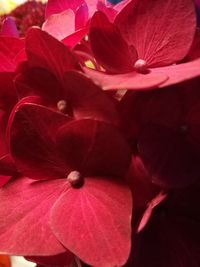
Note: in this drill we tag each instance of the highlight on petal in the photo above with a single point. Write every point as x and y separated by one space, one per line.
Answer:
24 217
96 226
111 51
46 52
180 72
162 31
60 25
58 6
131 80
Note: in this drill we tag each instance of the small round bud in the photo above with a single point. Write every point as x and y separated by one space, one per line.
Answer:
62 106
75 179
140 65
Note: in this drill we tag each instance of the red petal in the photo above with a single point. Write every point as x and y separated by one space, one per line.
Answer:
32 142
111 51
194 52
60 260
96 223
58 6
131 80
10 47
24 213
94 148
46 52
60 25
75 38
179 73
88 100
40 82
161 32
140 183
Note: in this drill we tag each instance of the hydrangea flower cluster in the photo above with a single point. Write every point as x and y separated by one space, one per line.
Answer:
100 135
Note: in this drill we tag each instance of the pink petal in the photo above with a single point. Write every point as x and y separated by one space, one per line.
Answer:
96 224
58 6
179 73
88 100
9 27
148 212
32 144
111 51
161 32
60 25
131 80
10 47
24 217
45 51
7 166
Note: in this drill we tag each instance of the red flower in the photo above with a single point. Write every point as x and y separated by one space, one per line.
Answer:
76 198
142 46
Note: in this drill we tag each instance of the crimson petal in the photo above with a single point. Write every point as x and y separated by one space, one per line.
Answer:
46 52
96 223
32 141
24 217
131 80
93 148
111 51
162 31
10 47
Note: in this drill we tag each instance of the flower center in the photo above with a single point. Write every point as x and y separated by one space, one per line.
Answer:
62 106
140 65
75 179
184 128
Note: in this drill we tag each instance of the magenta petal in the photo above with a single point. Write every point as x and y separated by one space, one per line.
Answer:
32 141
88 100
131 80
9 27
179 73
81 16
46 52
94 222
60 25
10 47
24 217
111 51
94 148
161 31
58 6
